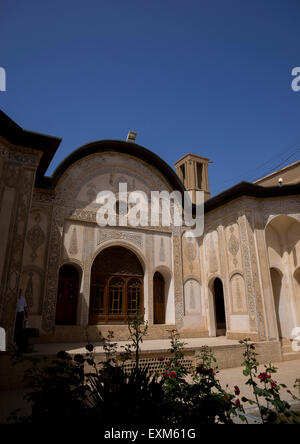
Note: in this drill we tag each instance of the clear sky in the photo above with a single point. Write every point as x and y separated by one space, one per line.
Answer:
210 77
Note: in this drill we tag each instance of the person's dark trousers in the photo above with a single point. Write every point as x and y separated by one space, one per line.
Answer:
19 329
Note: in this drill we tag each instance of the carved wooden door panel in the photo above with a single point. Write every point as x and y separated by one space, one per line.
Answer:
67 296
159 305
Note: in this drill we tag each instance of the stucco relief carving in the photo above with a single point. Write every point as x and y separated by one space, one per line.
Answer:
190 251
106 235
91 191
29 291
31 287
178 284
193 299
73 248
9 295
228 214
211 247
256 283
162 254
35 237
20 155
87 172
233 246
54 259
238 294
11 175
251 279
270 208
42 197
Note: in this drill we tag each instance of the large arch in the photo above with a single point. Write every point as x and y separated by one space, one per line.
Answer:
116 287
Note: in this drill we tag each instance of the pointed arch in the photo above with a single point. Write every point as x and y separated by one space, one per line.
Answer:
117 282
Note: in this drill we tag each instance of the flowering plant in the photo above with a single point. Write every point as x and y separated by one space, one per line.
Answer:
272 409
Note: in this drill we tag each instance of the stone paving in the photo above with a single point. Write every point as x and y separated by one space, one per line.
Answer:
288 372
147 345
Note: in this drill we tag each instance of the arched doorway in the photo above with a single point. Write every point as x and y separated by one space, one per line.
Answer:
220 317
159 299
117 281
67 295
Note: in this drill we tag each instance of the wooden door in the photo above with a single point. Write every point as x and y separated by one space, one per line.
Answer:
159 305
67 296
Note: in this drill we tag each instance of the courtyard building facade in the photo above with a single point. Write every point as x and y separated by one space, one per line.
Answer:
240 279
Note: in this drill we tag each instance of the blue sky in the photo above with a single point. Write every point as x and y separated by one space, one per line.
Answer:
211 77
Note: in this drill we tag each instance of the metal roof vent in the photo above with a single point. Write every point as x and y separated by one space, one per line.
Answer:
131 137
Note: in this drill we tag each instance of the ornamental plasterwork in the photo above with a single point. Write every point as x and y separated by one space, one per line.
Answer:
107 235
229 212
271 208
256 282
73 247
12 175
9 295
211 244
54 259
254 298
233 246
88 215
35 237
17 154
87 168
190 257
178 284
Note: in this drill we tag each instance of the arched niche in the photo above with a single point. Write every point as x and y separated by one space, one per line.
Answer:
192 297
117 284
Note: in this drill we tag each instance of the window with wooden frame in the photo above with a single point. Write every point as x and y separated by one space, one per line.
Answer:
116 287
134 296
116 294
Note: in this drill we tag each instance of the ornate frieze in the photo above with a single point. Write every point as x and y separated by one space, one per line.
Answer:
107 235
